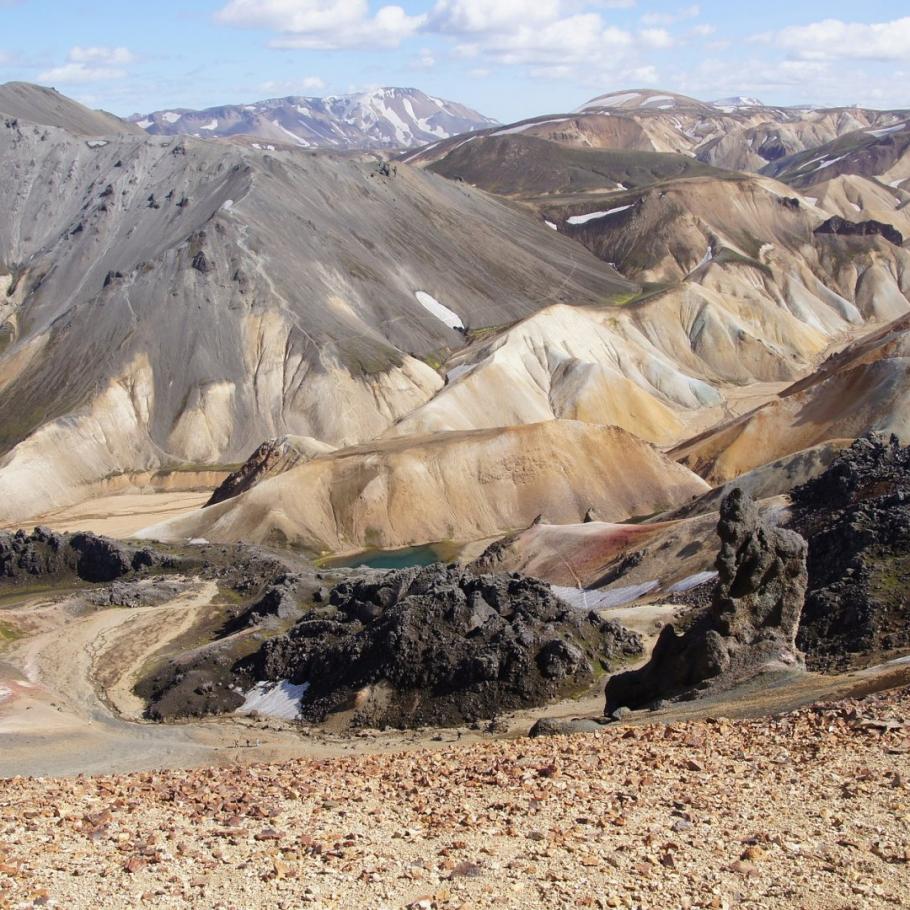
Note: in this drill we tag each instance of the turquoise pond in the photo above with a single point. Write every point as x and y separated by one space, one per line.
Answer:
394 559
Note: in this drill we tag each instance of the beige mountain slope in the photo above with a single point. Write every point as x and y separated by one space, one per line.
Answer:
744 237
882 152
865 387
733 137
855 198
447 486
37 104
745 298
739 289
168 302
669 550
566 362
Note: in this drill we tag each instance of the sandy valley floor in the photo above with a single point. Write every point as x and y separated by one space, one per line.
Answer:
122 515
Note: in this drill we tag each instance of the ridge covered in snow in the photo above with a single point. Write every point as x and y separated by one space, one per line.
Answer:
391 118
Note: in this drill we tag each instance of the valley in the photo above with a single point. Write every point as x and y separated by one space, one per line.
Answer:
365 438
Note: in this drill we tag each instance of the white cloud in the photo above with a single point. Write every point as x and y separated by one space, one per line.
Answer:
556 39
89 64
466 17
560 37
703 31
323 24
656 38
689 12
101 55
425 60
833 39
790 82
77 73
293 86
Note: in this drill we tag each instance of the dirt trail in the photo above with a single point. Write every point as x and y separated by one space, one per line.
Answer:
54 721
119 655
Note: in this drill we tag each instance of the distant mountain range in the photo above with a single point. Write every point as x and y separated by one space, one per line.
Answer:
386 118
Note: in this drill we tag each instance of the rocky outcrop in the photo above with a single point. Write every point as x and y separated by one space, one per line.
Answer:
45 554
274 456
856 517
440 645
840 226
750 627
280 602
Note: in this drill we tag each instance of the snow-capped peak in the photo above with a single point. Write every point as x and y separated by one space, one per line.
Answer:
390 118
738 101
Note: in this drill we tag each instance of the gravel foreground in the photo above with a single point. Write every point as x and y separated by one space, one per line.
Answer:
807 810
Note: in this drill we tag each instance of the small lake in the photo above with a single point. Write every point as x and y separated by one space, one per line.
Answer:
423 555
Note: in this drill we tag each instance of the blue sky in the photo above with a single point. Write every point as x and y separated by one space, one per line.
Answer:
506 58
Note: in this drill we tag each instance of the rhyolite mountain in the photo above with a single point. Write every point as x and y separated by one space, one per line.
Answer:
171 304
384 118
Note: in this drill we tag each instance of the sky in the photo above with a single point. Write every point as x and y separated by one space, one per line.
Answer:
508 59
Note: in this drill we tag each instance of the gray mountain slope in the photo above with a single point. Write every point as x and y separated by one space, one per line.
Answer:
166 301
48 107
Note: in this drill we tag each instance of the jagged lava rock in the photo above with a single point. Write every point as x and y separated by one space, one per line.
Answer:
856 517
440 645
750 626
44 553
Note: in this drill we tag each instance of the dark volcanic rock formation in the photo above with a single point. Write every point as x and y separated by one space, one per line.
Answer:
841 226
750 626
440 645
279 602
274 456
856 517
44 554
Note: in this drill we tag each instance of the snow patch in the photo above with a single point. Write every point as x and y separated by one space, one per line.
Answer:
197 541
170 116
550 225
620 596
293 136
613 100
145 124
96 143
591 216
693 581
281 699
582 599
212 125
889 129
526 126
443 313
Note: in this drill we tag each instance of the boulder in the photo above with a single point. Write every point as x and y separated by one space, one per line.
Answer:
752 622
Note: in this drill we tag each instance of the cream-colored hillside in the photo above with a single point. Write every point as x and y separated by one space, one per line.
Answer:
449 486
867 387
